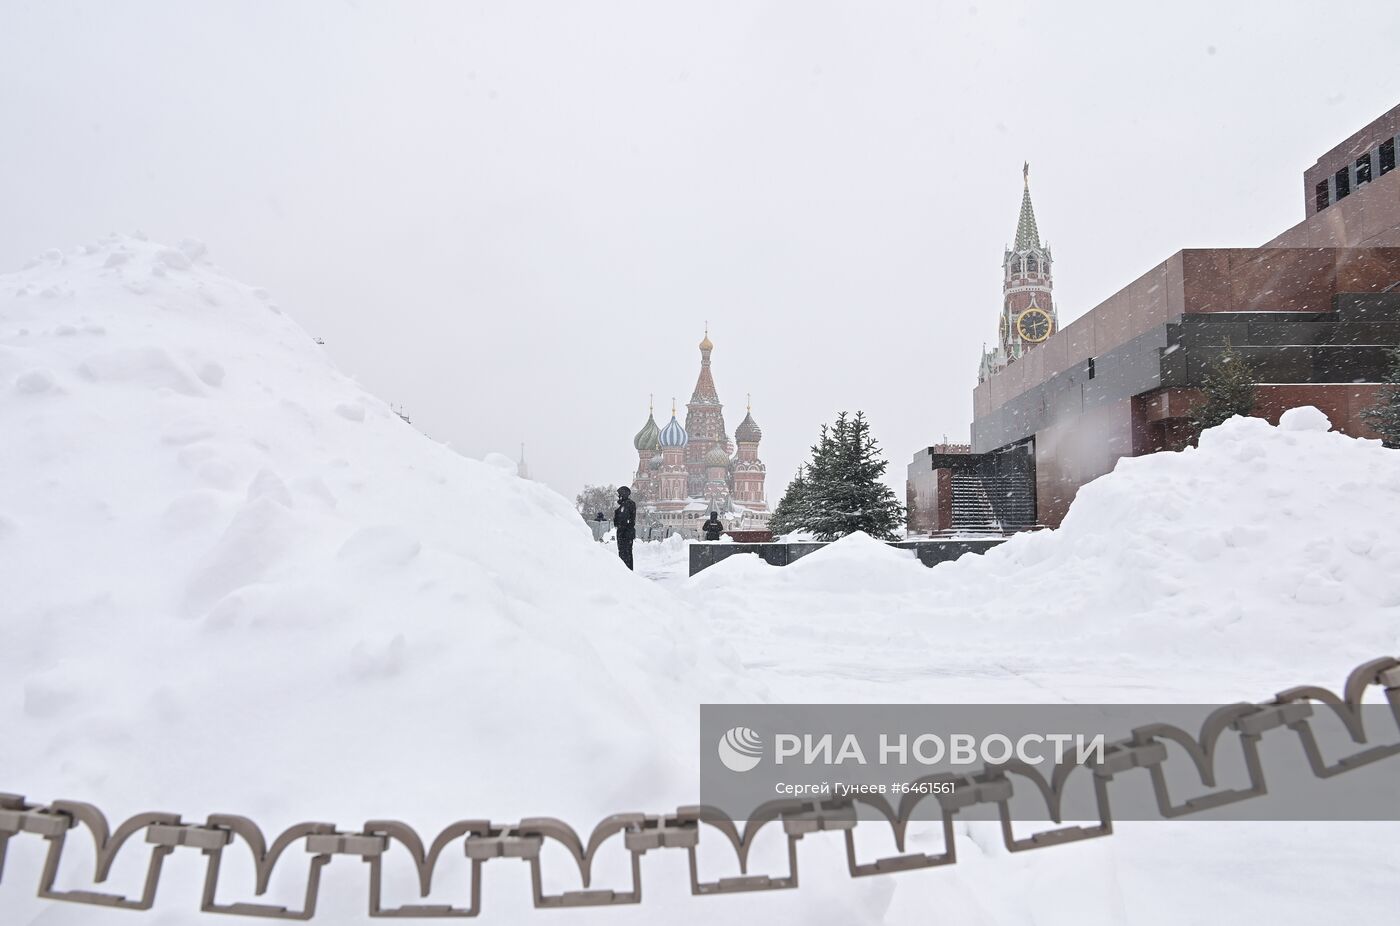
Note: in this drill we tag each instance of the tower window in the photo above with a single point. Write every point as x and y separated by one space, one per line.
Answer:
1387 157
1363 169
1343 179
1321 194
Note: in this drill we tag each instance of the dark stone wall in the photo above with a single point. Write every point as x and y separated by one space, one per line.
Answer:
1130 369
1135 398
929 552
1348 345
750 536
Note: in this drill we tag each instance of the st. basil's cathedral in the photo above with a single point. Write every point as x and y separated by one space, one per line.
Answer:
685 472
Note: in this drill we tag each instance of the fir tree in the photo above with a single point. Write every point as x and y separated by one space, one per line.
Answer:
1384 416
844 488
1229 390
792 510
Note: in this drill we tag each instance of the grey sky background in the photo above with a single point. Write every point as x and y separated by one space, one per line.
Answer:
515 217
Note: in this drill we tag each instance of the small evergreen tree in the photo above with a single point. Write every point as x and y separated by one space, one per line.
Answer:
844 488
1229 391
1384 416
791 513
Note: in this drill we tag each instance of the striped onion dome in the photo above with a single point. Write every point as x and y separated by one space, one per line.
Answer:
673 435
646 438
748 431
717 456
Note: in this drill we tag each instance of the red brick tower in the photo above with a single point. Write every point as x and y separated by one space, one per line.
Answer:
749 471
672 478
1028 314
704 422
646 443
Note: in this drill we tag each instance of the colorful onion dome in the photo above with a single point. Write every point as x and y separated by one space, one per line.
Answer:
647 437
748 431
717 456
673 435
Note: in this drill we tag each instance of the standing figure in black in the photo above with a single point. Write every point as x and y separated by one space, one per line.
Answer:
625 520
712 528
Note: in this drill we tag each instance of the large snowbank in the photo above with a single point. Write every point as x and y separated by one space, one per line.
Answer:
1229 561
1267 557
229 574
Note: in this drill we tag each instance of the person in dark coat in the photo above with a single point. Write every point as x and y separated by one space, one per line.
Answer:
713 528
625 520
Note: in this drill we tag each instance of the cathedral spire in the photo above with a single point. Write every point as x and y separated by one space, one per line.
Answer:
705 392
1027 235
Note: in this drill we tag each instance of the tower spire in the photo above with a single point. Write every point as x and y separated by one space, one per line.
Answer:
1027 308
1027 235
705 392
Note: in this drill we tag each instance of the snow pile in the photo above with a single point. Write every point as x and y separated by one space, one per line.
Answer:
1266 558
661 555
1263 544
227 571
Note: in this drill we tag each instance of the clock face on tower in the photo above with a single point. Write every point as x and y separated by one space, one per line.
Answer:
1033 325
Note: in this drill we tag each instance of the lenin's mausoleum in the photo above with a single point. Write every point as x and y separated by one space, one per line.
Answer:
1314 312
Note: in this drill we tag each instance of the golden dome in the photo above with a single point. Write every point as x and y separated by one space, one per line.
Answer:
706 344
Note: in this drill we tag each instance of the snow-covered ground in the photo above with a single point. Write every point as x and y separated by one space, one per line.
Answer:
664 561
233 581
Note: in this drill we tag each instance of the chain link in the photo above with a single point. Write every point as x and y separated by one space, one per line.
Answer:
485 841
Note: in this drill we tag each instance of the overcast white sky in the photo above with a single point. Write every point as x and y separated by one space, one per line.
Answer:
515 217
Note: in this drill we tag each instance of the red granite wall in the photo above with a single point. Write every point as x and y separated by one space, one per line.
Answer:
1079 449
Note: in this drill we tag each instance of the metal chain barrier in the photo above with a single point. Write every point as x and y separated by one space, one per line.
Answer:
484 841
